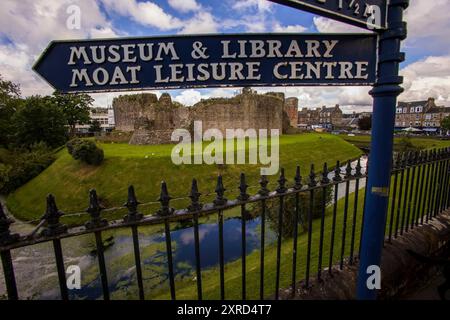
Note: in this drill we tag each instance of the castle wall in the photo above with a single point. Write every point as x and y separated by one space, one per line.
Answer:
128 108
291 108
241 112
153 120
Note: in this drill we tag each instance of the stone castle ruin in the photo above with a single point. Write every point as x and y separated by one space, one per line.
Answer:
153 120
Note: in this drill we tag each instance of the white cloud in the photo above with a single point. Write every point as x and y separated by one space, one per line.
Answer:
103 33
15 65
37 22
429 77
105 99
203 22
428 22
31 25
290 28
184 5
260 5
145 13
251 23
189 97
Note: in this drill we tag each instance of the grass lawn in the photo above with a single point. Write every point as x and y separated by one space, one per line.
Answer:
419 143
145 167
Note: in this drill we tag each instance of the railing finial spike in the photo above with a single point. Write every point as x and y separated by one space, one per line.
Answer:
348 170
325 172
337 172
220 200
282 182
243 196
195 197
358 168
164 199
298 179
263 182
132 206
312 177
94 210
51 217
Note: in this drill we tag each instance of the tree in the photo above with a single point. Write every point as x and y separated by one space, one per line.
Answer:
39 119
75 108
9 101
95 126
445 124
365 123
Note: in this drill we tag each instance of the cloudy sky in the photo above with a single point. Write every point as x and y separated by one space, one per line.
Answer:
27 26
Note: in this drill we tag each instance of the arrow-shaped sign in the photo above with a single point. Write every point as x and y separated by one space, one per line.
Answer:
368 14
209 61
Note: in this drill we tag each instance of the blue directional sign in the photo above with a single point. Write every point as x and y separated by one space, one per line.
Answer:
369 14
209 61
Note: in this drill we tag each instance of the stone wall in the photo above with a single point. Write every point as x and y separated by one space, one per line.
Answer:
291 109
153 120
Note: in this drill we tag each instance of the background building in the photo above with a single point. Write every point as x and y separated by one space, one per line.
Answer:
420 114
104 116
325 117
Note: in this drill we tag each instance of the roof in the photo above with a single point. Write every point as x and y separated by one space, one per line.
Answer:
438 110
413 104
306 111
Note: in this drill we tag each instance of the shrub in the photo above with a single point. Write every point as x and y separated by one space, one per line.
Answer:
21 165
86 151
71 145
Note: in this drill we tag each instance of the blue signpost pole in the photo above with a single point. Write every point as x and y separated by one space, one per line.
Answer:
385 93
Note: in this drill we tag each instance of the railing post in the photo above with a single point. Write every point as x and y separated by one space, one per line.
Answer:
8 269
134 216
54 228
385 93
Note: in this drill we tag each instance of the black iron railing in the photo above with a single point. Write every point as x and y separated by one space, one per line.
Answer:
419 192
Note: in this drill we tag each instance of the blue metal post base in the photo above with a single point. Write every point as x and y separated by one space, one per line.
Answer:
385 95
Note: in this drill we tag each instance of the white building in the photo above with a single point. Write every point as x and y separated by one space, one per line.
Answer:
104 116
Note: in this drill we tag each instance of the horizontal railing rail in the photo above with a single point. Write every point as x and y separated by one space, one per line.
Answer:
419 192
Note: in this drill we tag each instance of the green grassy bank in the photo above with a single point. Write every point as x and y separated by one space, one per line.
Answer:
145 167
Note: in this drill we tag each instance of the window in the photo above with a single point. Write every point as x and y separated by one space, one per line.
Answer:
412 110
419 109
405 110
